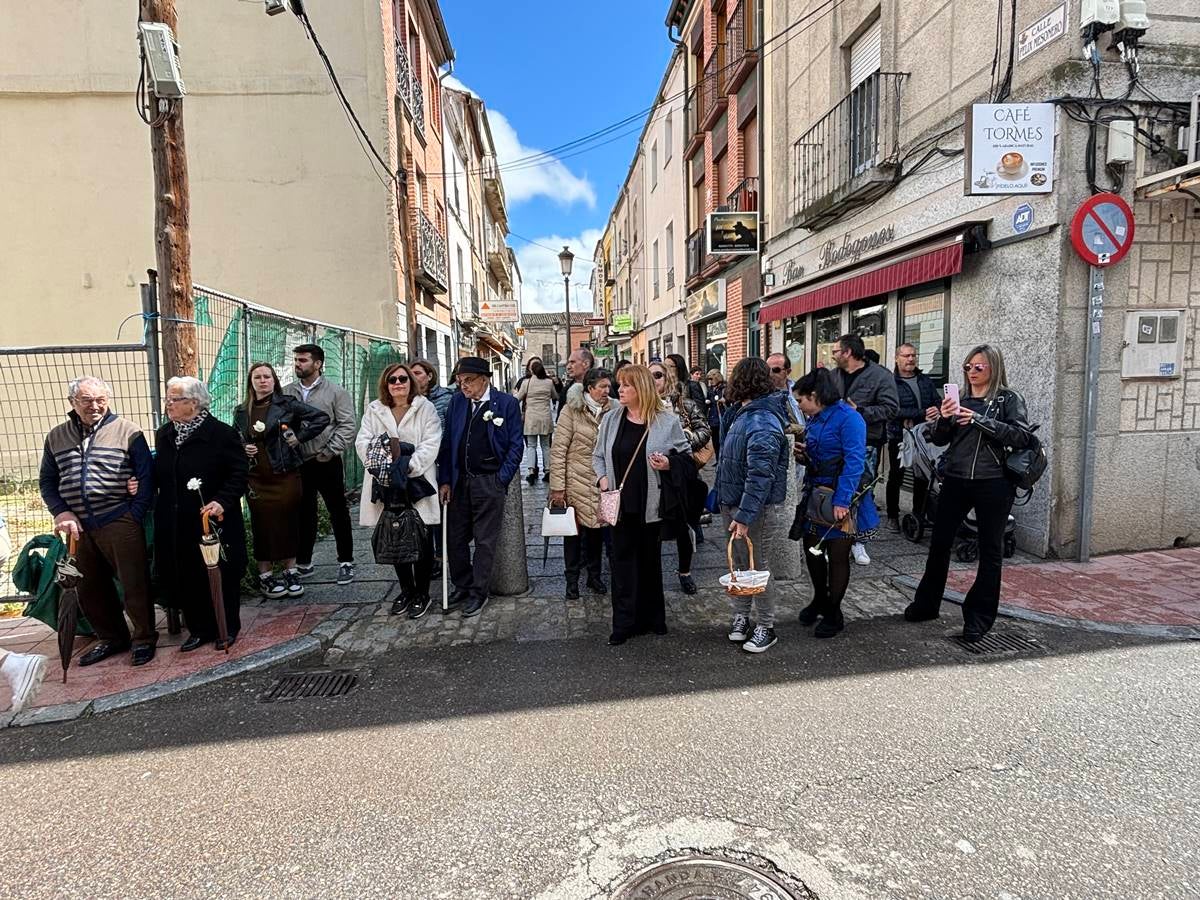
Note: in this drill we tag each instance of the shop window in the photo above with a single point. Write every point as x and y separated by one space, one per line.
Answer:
753 332
794 335
925 325
868 319
713 339
826 331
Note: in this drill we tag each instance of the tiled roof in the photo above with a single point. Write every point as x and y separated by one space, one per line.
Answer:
549 320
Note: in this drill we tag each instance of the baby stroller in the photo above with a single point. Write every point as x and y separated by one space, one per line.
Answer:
923 458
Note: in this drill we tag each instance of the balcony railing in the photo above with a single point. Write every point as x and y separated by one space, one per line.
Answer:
742 39
431 256
409 90
671 278
497 256
693 135
744 197
695 253
848 158
468 301
493 187
713 88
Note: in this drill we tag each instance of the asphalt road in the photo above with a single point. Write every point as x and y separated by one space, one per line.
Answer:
884 763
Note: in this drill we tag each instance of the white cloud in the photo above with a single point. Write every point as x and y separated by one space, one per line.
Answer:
542 281
548 178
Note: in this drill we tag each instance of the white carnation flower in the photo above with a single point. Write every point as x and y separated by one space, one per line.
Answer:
498 421
487 416
260 426
194 484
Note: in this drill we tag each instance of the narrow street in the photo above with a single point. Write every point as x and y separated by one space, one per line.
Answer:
888 762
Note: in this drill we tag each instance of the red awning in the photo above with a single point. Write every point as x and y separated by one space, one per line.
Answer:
845 287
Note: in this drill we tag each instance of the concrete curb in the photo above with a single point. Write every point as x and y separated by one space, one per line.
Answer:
317 640
1173 632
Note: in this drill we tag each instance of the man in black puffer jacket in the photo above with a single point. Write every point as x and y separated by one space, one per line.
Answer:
919 401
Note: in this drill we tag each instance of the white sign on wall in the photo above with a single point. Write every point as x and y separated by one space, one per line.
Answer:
1010 148
1049 27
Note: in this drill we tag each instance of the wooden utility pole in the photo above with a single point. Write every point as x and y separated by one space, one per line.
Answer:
172 239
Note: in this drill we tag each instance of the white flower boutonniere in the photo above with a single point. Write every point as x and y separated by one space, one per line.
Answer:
488 415
260 426
498 421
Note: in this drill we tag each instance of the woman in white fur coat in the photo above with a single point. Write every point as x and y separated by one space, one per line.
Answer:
402 413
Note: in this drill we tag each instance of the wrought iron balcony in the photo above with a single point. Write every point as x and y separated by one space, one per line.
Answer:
497 256
671 278
493 187
695 253
431 256
742 40
744 197
409 90
468 302
693 135
713 88
849 157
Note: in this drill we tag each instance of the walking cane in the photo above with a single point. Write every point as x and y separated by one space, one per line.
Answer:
445 566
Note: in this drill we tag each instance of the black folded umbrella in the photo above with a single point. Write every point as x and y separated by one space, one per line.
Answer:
68 577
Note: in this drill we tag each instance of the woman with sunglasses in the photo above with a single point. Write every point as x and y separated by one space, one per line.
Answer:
977 429
403 415
697 431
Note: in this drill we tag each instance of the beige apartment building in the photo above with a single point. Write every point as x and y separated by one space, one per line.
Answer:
877 222
285 207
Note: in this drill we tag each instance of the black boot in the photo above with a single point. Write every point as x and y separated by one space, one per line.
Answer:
810 613
573 588
831 623
532 476
596 583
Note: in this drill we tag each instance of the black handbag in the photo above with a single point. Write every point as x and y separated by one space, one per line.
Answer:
399 537
1025 467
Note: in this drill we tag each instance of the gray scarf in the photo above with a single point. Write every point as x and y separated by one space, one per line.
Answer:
184 430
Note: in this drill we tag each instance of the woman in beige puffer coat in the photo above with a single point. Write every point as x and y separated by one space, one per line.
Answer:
536 394
572 479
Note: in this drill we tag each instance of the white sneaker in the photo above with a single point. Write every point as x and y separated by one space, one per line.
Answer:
24 672
740 629
859 552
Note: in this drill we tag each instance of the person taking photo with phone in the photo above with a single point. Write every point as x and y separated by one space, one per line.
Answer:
978 426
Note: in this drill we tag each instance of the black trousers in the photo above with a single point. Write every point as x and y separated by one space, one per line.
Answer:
475 513
328 480
894 477
992 500
829 572
637 589
686 547
583 551
414 577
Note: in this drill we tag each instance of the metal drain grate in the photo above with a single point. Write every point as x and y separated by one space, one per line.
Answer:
997 642
302 685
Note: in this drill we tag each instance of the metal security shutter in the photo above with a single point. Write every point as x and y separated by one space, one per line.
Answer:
865 55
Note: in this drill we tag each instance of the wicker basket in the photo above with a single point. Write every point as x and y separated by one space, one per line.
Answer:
746 583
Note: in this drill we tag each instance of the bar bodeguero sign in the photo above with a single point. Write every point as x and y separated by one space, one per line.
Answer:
833 253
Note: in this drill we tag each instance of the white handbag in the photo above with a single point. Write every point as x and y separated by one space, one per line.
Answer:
559 521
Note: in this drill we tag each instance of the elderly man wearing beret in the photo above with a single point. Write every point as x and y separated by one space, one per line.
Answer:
481 451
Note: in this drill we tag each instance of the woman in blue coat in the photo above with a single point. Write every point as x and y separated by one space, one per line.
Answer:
835 449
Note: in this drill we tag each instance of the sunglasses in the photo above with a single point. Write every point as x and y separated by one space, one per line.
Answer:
779 370
659 376
397 379
975 367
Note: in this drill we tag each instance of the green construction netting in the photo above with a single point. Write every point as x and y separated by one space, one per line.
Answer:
225 375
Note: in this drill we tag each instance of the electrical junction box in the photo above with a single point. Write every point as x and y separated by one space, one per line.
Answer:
162 59
275 7
1104 12
1133 16
1154 340
1120 141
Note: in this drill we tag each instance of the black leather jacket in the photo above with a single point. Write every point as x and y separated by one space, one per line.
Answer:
305 421
977 450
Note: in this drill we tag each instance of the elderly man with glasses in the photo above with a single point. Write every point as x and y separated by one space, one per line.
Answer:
87 464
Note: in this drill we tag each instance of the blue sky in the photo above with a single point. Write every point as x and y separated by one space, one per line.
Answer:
551 73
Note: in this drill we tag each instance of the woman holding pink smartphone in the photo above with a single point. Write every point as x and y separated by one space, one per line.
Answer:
978 425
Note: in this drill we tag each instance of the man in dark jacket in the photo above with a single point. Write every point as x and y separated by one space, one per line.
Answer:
480 455
579 363
871 390
919 400
86 466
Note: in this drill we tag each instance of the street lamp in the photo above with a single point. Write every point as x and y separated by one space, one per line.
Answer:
557 358
565 259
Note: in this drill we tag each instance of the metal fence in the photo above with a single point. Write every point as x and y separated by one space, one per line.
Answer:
231 334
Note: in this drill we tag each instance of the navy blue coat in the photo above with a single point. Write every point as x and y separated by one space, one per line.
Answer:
752 470
508 440
912 407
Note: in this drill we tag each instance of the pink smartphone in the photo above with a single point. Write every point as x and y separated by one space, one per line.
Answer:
950 392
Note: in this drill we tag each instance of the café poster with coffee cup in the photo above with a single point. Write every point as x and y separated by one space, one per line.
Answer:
1010 148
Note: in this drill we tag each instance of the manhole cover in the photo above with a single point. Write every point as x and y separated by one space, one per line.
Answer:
998 642
704 878
300 685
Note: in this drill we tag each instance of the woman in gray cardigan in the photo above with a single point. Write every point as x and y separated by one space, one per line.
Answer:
637 439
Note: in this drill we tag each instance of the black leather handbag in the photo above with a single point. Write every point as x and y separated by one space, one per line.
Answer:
399 537
1025 467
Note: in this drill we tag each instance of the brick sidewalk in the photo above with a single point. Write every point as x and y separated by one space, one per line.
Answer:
1151 588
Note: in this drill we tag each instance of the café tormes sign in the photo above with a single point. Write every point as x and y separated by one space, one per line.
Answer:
1010 148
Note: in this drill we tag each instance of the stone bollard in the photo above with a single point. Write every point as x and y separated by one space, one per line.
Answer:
510 570
787 560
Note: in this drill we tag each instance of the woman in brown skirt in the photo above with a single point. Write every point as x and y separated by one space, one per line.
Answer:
273 426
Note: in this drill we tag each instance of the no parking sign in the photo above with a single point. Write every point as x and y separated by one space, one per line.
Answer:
1102 230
